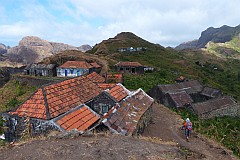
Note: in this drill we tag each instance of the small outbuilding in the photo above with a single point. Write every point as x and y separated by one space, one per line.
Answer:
40 70
129 67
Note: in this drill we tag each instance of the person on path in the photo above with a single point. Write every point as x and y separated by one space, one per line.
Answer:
188 128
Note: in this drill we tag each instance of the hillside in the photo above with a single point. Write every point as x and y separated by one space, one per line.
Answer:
216 35
32 49
162 140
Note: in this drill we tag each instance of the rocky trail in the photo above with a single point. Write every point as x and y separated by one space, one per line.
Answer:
162 140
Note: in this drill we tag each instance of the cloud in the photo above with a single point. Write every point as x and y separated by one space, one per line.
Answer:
79 22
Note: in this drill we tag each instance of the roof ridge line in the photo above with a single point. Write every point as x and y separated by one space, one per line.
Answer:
48 116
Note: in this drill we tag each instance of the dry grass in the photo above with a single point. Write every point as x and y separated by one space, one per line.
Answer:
158 140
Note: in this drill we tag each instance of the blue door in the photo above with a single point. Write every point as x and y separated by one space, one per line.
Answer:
78 72
66 72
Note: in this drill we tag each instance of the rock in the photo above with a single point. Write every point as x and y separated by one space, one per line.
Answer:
84 48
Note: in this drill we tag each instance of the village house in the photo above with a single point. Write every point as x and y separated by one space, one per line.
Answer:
96 66
109 98
55 107
131 115
74 68
192 88
40 70
129 67
218 107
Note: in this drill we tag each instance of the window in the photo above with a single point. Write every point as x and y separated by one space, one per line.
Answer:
104 109
127 69
121 69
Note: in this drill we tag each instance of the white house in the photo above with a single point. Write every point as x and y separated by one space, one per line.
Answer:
74 68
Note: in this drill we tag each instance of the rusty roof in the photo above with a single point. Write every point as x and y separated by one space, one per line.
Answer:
106 85
130 64
180 98
118 78
189 86
55 99
96 78
76 64
81 119
124 119
119 92
94 64
211 92
213 104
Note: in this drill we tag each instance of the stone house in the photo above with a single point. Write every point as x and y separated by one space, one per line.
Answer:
108 99
192 88
96 66
50 107
218 107
131 115
129 67
40 70
74 68
177 100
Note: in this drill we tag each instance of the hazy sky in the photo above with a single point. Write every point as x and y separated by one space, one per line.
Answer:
77 22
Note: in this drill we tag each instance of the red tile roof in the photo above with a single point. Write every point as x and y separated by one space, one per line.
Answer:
76 64
117 78
125 118
181 98
80 119
96 78
55 99
33 107
119 92
106 85
131 64
94 64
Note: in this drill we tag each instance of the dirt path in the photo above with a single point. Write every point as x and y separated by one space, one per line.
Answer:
162 140
166 125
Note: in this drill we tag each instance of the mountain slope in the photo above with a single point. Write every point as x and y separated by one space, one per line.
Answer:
217 35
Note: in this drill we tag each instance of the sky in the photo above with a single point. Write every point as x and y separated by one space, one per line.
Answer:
78 22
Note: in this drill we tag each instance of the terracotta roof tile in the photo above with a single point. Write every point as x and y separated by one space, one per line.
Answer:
131 64
106 85
96 78
60 97
76 64
125 117
80 119
94 64
119 92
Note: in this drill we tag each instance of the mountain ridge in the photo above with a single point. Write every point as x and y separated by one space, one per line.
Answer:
217 35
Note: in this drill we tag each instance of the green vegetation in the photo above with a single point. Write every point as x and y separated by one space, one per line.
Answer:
225 130
14 93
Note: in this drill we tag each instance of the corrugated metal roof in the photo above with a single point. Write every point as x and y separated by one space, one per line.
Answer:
40 66
181 98
124 119
211 92
213 104
189 86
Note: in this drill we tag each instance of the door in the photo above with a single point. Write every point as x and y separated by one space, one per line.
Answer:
66 72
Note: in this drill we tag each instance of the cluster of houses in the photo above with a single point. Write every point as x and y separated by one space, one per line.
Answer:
131 49
80 103
67 69
79 68
204 101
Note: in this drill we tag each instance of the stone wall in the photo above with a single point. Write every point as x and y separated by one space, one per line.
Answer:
34 81
17 127
144 121
233 111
